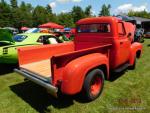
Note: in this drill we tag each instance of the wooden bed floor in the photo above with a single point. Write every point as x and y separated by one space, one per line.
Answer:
41 68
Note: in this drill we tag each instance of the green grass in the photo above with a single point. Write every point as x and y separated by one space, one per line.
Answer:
128 91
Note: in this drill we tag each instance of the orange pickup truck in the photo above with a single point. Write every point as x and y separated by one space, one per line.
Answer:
101 45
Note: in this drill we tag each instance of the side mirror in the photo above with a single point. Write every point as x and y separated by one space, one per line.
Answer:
129 36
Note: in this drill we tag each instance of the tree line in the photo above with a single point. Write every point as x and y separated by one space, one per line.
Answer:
14 15
143 14
24 14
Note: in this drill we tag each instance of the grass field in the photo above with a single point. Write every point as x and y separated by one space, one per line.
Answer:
129 93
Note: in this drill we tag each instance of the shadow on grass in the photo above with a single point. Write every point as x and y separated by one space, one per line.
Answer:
7 68
40 100
148 45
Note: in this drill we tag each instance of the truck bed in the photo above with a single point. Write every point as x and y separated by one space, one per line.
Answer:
35 62
41 68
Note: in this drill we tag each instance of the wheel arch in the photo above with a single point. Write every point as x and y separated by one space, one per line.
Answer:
135 52
74 74
102 67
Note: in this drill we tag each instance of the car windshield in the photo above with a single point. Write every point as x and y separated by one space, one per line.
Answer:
19 38
33 30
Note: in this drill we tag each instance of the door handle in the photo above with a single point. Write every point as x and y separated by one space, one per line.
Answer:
121 42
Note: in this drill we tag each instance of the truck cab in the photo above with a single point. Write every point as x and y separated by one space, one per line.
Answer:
106 30
101 45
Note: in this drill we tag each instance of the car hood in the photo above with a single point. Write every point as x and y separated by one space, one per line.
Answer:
5 43
5 38
5 49
16 44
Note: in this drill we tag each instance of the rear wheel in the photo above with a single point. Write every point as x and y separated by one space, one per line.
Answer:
93 84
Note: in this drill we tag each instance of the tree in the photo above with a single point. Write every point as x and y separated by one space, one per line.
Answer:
14 3
50 15
40 16
49 9
5 12
88 12
143 14
105 11
66 19
3 2
23 6
25 14
29 7
15 14
22 15
77 13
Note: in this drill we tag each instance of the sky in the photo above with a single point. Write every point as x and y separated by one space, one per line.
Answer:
117 6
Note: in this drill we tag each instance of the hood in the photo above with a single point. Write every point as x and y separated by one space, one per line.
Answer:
16 44
5 43
6 37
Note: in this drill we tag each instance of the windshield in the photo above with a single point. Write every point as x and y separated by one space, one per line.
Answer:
33 30
19 38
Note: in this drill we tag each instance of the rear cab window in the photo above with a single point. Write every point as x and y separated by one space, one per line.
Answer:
94 28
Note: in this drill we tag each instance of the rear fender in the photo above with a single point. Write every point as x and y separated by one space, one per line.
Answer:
135 47
76 70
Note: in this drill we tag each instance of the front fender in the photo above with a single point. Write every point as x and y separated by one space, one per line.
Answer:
133 50
75 71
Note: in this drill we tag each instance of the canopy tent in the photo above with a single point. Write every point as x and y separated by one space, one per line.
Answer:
51 25
24 28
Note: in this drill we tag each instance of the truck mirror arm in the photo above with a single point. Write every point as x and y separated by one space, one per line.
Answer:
129 34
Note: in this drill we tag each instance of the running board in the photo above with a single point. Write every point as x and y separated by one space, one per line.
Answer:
121 68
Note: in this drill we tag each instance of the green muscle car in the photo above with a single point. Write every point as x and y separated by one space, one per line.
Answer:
8 48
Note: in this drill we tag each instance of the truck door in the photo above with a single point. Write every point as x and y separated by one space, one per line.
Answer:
124 44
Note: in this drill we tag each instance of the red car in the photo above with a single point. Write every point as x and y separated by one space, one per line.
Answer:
101 45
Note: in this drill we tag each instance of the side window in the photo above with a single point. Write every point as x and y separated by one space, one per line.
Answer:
45 39
121 29
40 40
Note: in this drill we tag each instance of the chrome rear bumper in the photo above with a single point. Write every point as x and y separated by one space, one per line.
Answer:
51 89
